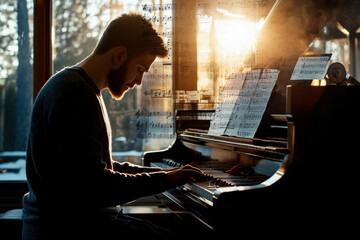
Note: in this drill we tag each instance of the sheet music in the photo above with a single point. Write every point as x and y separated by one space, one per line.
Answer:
227 100
242 104
156 120
259 100
310 67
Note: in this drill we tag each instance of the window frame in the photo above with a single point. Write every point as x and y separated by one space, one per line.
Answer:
12 192
42 44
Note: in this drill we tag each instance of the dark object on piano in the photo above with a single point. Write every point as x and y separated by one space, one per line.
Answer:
336 75
295 176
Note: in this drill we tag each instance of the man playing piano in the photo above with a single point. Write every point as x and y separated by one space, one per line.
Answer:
74 185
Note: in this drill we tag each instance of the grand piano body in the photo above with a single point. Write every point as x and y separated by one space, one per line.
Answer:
303 170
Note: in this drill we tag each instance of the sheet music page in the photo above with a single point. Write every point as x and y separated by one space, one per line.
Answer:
258 103
155 119
242 104
310 67
227 100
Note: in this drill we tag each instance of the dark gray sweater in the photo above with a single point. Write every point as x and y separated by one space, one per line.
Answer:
69 166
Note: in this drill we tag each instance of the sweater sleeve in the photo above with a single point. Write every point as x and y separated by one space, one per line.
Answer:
127 167
78 171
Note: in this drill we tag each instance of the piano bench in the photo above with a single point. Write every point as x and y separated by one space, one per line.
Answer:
11 224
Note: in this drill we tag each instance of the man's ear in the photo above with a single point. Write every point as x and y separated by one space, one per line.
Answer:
119 56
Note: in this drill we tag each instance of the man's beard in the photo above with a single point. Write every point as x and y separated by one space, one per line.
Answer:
116 79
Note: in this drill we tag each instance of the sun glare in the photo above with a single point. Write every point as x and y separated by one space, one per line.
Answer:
229 42
236 37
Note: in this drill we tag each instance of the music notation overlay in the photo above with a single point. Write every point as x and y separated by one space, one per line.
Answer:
243 102
146 113
154 124
154 119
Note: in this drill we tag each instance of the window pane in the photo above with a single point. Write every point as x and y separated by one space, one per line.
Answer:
143 119
16 80
227 32
338 47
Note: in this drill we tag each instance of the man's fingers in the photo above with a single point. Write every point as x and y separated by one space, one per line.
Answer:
185 174
193 173
191 167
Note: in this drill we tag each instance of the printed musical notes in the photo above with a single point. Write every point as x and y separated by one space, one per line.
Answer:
155 135
227 100
156 7
157 19
243 103
156 119
146 113
247 125
142 125
158 93
194 115
154 124
161 16
310 67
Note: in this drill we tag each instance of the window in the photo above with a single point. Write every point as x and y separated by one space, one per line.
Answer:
227 32
333 40
16 81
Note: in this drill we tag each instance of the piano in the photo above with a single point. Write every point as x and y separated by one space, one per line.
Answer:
299 173
301 167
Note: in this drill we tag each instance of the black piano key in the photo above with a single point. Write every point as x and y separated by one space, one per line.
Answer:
178 165
213 180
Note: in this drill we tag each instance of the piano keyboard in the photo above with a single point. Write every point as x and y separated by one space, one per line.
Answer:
215 179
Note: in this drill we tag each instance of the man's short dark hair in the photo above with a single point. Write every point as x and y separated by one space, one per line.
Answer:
135 33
